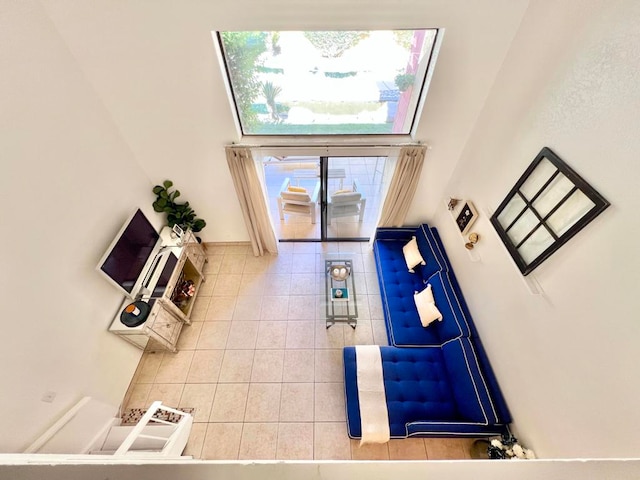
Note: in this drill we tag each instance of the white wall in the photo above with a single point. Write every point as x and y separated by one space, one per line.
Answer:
154 67
442 470
566 360
68 182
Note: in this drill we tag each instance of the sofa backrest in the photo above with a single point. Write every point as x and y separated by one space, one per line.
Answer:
470 389
456 319
432 251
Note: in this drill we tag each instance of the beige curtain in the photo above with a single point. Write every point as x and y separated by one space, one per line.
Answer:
403 186
252 202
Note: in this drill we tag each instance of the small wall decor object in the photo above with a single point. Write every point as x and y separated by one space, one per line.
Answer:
548 205
473 239
452 203
466 218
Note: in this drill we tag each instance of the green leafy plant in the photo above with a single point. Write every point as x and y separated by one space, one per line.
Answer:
404 38
263 69
177 213
340 74
404 81
334 44
242 52
270 92
275 43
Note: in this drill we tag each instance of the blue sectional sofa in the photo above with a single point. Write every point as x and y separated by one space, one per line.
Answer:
438 380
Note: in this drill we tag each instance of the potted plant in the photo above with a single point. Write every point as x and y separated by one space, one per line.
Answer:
508 447
404 81
177 213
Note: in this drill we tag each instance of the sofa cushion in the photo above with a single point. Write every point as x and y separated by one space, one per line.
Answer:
455 315
412 255
396 288
426 306
416 387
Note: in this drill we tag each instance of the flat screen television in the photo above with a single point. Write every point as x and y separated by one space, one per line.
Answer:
133 249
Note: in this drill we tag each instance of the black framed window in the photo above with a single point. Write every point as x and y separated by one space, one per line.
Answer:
549 204
365 82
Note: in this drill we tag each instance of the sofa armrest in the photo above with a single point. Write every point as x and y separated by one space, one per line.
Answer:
472 388
395 233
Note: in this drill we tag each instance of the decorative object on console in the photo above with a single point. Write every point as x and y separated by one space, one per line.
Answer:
183 292
180 214
339 272
339 294
135 314
507 446
473 239
548 205
466 217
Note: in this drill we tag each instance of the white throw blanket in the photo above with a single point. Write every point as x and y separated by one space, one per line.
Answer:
374 418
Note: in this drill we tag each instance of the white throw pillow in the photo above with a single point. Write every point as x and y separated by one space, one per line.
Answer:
412 255
427 310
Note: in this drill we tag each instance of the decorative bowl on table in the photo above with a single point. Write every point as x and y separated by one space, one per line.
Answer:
339 272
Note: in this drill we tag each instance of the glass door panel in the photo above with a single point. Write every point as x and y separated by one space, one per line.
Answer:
293 192
353 196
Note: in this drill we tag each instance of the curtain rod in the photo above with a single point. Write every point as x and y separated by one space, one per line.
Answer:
350 145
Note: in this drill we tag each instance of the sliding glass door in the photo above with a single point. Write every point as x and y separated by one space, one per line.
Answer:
353 196
324 198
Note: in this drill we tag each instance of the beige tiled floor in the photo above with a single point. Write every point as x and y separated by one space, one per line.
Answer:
260 368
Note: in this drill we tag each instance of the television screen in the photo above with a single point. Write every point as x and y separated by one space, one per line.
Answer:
124 261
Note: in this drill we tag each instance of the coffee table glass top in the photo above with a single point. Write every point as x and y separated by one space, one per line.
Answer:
340 292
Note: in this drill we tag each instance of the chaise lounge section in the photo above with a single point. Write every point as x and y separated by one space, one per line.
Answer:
438 381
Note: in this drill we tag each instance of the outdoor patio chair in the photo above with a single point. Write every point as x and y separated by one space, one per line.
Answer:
294 200
346 203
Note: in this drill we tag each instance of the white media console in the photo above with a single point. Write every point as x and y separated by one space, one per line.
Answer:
179 263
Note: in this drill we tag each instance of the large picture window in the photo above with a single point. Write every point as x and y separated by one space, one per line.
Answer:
327 83
549 204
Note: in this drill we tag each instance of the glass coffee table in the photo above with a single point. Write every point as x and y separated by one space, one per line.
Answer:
340 293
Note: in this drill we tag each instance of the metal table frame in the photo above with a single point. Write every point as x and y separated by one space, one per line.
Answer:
341 311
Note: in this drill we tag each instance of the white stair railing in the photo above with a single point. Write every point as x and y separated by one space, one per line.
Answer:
173 443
